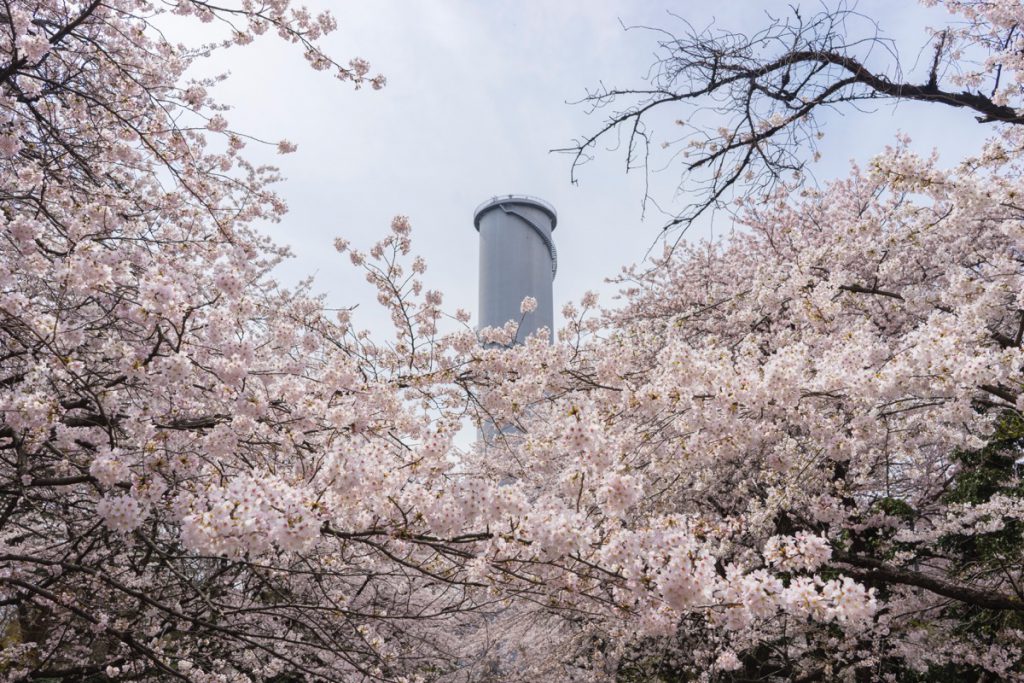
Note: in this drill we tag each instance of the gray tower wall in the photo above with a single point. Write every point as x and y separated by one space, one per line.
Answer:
517 260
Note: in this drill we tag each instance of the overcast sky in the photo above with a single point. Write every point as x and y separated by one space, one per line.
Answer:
478 93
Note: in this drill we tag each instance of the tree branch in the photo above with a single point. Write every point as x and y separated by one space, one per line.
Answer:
877 571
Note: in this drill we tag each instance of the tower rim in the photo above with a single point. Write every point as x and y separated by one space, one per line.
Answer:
520 199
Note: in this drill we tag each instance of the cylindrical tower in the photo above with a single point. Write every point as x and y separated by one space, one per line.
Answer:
517 260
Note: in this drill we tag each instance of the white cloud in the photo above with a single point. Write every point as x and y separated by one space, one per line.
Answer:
476 97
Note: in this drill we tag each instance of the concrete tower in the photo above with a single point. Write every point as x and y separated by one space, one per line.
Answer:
517 260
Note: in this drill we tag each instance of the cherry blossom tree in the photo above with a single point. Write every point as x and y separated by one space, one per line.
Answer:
199 469
789 455
736 113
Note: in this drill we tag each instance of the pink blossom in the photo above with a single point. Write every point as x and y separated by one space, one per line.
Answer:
9 144
217 123
33 46
120 513
400 225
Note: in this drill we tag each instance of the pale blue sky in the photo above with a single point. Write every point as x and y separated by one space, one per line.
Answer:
477 94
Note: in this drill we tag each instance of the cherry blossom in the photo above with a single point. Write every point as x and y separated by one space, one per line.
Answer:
790 451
